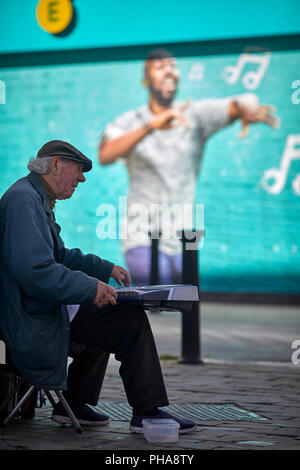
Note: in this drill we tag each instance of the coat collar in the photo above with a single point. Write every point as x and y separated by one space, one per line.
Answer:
37 183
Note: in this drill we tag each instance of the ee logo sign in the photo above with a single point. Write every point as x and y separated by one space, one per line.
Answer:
54 16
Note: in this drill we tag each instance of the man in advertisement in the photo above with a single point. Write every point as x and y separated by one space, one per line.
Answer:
162 145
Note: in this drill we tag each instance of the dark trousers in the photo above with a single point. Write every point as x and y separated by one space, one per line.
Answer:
124 331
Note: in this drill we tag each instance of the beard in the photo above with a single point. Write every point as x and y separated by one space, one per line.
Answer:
164 101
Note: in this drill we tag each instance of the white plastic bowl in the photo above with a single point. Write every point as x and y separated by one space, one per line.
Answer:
160 430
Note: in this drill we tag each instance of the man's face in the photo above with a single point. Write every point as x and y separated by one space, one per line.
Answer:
69 175
162 75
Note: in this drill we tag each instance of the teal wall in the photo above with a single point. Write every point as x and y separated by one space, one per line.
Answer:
135 22
252 239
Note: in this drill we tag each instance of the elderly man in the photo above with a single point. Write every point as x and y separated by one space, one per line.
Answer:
51 294
162 144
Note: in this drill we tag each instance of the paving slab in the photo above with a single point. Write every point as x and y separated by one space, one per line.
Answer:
266 385
279 431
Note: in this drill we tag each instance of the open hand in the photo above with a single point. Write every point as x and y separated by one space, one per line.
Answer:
120 275
258 113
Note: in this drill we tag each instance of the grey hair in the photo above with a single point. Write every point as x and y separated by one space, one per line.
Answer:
39 165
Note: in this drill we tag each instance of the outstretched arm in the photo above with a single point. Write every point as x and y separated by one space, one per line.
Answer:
112 149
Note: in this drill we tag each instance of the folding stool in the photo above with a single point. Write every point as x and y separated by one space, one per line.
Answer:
26 396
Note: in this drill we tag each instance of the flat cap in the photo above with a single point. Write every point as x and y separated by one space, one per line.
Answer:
62 149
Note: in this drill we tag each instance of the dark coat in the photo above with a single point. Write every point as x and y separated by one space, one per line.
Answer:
39 277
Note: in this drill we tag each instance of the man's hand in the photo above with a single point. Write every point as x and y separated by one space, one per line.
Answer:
260 113
250 111
105 295
120 275
171 117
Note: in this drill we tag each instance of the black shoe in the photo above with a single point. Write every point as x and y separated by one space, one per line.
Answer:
84 414
136 424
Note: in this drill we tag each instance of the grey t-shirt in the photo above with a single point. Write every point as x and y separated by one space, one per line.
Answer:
163 169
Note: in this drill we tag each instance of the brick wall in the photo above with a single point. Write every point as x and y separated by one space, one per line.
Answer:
252 241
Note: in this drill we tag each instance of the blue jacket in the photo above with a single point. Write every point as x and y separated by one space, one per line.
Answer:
38 278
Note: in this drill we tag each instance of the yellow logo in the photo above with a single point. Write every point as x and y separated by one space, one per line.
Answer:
54 16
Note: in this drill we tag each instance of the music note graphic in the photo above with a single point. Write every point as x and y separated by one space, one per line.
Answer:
251 79
196 72
279 175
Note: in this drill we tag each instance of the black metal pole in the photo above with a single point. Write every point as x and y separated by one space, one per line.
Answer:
190 321
154 269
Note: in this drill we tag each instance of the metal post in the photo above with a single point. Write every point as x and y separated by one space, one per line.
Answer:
190 321
154 266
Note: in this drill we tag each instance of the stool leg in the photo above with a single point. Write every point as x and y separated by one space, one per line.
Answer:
50 398
69 411
12 393
23 399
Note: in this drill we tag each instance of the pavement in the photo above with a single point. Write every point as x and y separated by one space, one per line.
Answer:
247 387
